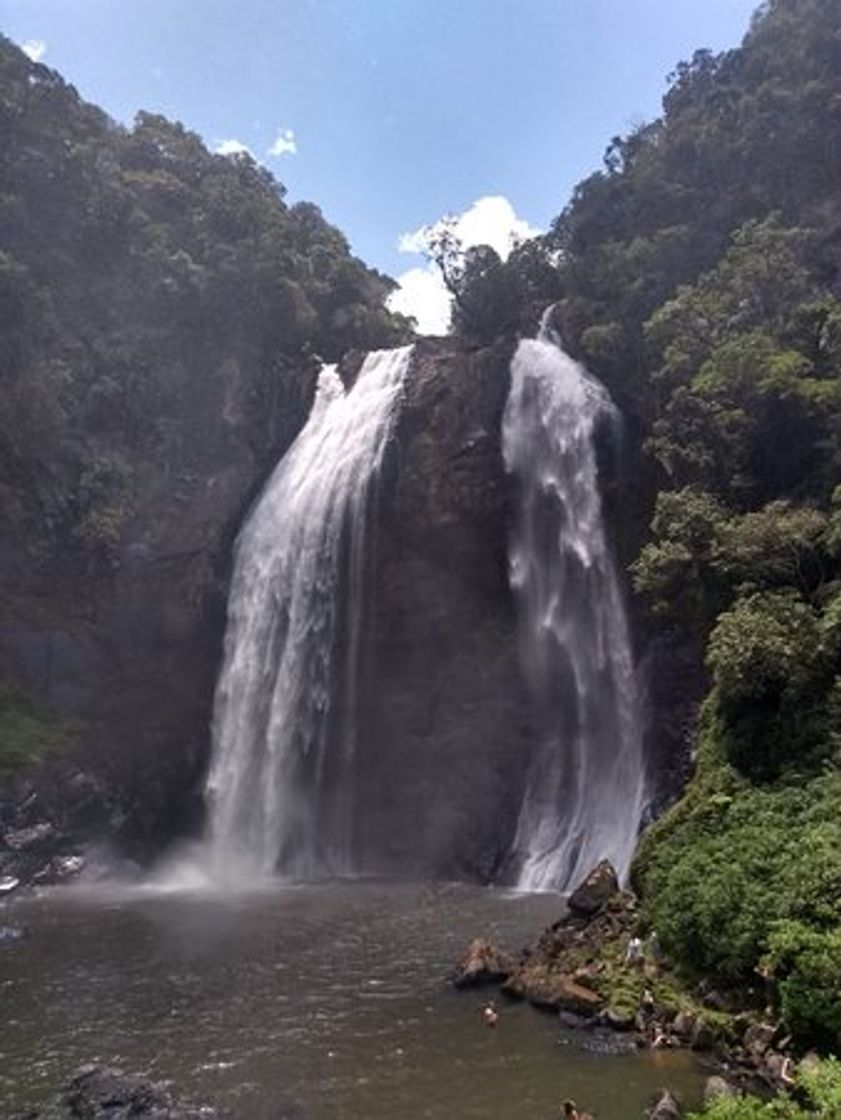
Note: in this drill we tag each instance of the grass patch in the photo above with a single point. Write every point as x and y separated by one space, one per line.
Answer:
28 731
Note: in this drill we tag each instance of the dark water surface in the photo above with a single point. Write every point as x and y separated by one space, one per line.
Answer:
327 1001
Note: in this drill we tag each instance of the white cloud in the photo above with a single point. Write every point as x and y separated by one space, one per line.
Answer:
34 48
491 220
285 145
232 147
421 293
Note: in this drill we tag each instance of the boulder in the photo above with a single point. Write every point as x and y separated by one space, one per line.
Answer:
591 895
715 1087
37 836
554 990
100 1093
758 1038
664 1106
8 883
683 1025
482 963
703 1036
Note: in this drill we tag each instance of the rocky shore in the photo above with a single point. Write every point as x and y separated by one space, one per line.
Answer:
101 1093
596 968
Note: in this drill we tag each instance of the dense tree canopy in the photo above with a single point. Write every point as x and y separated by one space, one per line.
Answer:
138 272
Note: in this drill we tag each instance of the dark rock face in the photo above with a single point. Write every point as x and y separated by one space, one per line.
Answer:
672 672
599 886
444 715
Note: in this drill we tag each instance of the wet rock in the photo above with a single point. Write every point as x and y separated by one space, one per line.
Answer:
665 1106
683 1025
29 839
603 1040
758 1038
715 1087
555 991
482 963
703 1036
59 869
567 968
715 1001
777 1069
591 895
619 1019
573 1021
100 1093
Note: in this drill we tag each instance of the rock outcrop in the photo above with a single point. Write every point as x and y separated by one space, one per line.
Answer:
100 1093
591 895
570 967
482 963
444 715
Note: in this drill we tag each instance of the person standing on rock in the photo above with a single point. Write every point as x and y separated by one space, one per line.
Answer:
634 953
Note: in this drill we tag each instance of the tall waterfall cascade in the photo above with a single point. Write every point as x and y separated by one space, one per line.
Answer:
584 792
280 789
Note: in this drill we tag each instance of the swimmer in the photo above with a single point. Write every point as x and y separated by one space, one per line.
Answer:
569 1111
490 1015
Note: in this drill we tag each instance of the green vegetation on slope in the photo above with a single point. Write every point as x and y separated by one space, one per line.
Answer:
27 731
818 1098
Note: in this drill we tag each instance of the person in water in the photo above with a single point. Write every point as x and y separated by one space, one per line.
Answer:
569 1111
490 1015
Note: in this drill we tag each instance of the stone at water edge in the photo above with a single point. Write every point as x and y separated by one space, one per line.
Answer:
715 1087
597 889
665 1106
482 963
100 1093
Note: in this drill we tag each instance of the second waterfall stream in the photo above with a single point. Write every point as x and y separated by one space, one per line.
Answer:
584 793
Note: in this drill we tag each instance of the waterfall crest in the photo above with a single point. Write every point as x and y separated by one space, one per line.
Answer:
280 787
584 791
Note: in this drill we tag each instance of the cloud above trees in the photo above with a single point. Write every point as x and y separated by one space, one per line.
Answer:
491 220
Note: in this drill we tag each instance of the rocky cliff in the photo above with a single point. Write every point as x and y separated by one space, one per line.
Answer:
444 718
131 652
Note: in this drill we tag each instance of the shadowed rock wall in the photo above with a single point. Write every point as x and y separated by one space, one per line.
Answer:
444 720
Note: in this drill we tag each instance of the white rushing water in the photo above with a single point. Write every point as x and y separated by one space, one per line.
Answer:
280 789
584 792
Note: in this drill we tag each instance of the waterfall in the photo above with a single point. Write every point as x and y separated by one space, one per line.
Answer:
584 791
280 788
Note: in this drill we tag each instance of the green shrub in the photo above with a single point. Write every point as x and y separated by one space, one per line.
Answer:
819 1098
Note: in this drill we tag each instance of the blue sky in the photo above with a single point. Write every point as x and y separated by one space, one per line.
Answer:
390 112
